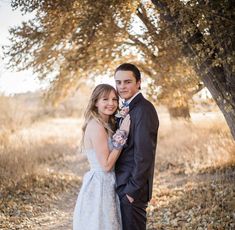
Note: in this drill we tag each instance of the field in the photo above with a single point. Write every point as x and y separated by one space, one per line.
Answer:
41 172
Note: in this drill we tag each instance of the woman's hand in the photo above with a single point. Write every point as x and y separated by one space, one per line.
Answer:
125 125
120 136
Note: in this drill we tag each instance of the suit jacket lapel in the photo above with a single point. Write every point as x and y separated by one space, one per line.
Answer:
135 101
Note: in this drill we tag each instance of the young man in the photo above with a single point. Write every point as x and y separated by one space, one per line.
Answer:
135 166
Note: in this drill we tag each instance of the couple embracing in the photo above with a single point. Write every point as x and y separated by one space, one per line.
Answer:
121 153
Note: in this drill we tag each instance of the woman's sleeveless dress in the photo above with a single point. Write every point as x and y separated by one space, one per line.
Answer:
97 206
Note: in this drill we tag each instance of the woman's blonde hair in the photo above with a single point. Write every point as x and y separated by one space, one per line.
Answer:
91 111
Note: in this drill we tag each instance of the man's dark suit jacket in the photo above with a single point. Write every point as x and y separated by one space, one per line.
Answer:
135 167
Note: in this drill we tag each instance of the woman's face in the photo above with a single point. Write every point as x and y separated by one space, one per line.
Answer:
107 104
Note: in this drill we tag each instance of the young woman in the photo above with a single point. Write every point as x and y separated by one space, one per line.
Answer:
97 206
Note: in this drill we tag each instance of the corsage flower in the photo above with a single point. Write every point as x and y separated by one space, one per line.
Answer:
119 139
122 112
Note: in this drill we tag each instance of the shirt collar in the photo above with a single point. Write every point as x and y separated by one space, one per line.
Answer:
129 101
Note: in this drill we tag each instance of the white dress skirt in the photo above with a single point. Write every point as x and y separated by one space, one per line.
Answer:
97 206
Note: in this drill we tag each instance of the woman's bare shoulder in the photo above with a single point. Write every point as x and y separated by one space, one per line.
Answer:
94 126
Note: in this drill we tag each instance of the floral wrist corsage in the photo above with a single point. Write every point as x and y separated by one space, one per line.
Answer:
119 139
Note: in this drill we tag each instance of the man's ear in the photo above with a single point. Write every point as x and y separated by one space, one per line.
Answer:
139 84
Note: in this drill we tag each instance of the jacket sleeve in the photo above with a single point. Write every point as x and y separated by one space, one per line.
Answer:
145 140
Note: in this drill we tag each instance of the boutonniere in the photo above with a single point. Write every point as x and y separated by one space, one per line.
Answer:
122 112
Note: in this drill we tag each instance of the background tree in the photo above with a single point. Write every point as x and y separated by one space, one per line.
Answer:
78 39
205 31
163 61
67 40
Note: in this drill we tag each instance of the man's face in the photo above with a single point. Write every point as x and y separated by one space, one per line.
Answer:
126 84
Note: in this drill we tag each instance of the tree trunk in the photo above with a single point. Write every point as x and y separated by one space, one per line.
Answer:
179 112
218 92
219 81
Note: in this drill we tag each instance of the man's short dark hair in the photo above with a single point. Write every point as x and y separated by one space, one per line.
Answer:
130 67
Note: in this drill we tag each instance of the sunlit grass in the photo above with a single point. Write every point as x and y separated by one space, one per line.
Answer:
41 160
188 147
26 151
195 146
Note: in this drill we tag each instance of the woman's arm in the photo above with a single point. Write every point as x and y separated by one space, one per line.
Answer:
99 140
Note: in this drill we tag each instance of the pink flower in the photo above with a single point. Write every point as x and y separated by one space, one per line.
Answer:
122 112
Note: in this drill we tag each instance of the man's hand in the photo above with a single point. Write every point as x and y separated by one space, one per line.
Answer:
129 198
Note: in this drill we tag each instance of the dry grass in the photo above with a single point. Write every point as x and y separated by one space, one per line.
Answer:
28 150
189 147
13 117
195 146
31 135
27 155
30 139
194 180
